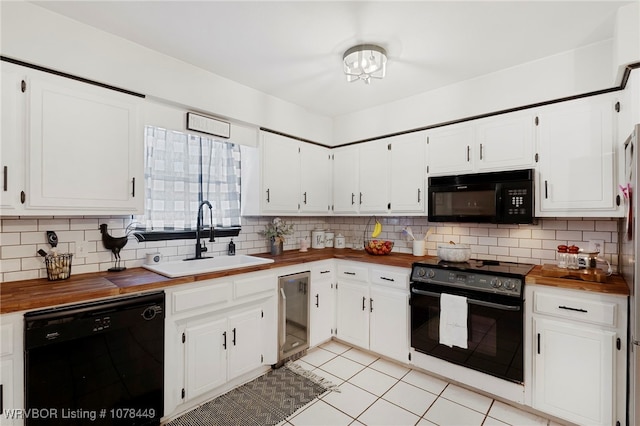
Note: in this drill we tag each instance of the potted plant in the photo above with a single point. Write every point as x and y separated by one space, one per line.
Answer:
275 233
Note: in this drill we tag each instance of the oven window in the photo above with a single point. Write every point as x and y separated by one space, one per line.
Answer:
495 338
464 203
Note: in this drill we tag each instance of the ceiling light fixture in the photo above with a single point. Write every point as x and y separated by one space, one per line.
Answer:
364 62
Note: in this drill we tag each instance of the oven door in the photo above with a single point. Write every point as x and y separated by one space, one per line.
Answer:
495 331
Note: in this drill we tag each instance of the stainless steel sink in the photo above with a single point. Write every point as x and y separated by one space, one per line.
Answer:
179 268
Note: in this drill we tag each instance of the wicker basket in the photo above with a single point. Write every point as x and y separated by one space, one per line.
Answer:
58 266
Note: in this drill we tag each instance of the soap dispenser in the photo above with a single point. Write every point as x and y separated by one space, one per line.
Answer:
231 250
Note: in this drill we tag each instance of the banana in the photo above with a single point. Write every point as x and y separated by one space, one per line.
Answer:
377 229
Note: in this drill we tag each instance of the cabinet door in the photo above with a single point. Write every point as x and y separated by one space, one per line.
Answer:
576 162
315 179
505 142
353 313
280 174
574 372
8 401
321 311
345 180
205 357
85 148
408 173
244 341
11 142
373 196
449 149
389 322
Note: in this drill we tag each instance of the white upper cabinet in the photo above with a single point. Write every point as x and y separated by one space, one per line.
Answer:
505 142
280 172
11 146
373 194
315 178
449 149
295 176
408 173
84 148
502 142
382 176
577 159
345 179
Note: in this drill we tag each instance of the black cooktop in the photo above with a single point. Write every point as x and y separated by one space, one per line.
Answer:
493 267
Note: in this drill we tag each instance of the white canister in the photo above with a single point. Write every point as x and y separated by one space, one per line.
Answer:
317 238
153 258
339 242
418 247
328 238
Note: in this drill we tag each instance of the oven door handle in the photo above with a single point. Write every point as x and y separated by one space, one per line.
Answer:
471 301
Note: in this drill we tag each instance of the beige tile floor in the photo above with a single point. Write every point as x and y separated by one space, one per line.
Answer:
375 391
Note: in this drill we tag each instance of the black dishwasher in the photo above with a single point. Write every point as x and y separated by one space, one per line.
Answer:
99 363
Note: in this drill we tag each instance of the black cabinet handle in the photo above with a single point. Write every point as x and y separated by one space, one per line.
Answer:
546 189
325 272
568 308
6 176
387 279
268 196
234 337
349 273
370 305
305 197
361 198
353 198
363 302
317 300
224 341
23 197
481 151
418 194
468 153
538 343
133 187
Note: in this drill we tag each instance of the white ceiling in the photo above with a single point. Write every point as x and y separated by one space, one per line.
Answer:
293 49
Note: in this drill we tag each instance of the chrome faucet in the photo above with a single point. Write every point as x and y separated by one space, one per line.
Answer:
200 248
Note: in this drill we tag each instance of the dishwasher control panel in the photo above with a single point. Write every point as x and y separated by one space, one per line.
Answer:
100 324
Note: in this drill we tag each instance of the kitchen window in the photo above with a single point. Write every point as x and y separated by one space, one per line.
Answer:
182 170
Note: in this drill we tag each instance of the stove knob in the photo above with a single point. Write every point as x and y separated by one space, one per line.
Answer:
509 285
496 283
431 273
421 272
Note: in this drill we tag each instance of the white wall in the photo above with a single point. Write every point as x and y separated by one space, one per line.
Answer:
567 74
36 35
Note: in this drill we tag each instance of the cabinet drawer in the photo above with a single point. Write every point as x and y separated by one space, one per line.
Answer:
254 286
6 339
390 278
214 294
322 272
353 273
591 311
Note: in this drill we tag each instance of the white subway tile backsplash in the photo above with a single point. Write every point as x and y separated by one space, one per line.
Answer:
21 238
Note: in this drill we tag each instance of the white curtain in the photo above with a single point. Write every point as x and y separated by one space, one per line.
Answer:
180 171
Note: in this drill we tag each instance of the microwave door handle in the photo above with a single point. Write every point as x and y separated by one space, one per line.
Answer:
471 301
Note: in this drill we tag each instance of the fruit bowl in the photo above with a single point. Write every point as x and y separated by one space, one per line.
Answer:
454 252
378 247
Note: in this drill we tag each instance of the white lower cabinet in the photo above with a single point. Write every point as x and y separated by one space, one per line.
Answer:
11 368
222 349
373 309
219 334
322 303
578 354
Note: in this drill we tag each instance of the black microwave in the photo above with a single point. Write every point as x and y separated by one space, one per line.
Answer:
496 197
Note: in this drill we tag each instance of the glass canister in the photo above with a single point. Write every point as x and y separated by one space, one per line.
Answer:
562 256
340 241
572 257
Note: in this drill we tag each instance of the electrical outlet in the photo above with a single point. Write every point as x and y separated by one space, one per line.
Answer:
596 245
81 248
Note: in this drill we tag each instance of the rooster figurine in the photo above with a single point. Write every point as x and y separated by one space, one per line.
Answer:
115 244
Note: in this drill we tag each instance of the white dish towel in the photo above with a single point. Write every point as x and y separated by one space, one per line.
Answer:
453 320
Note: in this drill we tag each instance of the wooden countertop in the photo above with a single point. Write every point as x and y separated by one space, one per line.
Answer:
615 284
39 293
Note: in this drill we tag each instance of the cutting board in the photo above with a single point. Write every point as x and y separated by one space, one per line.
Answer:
591 274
